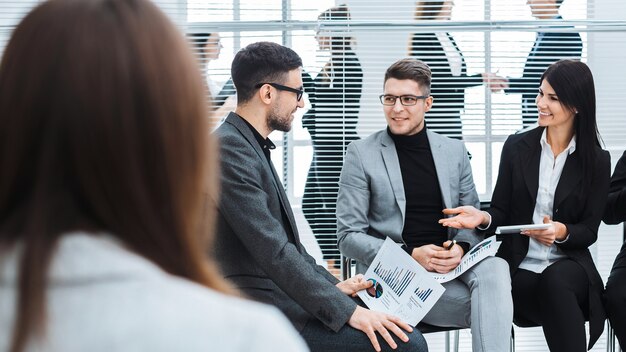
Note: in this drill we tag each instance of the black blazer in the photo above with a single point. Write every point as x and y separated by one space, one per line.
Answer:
547 49
615 211
580 209
448 90
335 103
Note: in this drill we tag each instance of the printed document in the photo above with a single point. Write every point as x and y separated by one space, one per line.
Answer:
487 248
401 286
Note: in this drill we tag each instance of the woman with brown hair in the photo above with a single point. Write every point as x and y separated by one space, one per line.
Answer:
106 162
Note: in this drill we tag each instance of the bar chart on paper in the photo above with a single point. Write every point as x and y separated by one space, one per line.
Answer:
398 279
423 294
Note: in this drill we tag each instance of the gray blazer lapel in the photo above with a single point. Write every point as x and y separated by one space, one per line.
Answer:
392 166
245 131
440 157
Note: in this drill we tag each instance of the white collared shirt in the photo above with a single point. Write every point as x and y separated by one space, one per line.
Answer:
540 256
452 53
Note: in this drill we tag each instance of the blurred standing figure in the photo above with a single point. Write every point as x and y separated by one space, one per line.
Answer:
207 47
107 163
549 47
449 70
334 95
615 213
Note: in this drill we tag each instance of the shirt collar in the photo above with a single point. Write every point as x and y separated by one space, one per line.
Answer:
265 143
571 147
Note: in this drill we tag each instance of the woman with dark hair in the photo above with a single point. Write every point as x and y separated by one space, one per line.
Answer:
207 47
449 70
334 95
106 164
556 174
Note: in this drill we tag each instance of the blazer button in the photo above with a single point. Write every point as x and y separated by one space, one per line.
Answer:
556 211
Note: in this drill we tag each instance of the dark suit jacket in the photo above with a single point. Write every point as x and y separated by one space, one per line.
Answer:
258 246
447 90
615 211
580 209
335 101
547 49
331 122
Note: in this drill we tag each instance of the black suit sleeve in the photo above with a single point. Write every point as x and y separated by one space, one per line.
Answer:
615 211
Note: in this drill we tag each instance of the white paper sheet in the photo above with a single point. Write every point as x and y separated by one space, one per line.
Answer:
402 287
487 248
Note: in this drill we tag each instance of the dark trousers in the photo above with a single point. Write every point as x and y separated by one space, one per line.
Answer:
556 299
319 338
615 296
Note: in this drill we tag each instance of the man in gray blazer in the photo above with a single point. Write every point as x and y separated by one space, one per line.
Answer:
257 244
396 182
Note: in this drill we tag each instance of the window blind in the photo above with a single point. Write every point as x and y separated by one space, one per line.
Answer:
493 36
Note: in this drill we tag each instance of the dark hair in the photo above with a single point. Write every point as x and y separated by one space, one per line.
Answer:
428 10
412 69
103 130
572 82
261 62
338 41
198 43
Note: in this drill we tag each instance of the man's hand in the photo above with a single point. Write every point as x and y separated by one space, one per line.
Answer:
466 217
354 285
371 322
446 260
424 255
557 231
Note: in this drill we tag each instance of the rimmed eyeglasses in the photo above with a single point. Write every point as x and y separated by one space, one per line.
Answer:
299 92
406 100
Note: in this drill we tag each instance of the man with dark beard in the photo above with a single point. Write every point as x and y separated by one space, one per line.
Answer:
257 243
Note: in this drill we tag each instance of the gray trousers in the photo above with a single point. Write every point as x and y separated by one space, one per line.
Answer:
481 300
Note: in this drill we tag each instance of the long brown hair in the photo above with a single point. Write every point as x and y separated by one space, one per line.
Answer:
104 129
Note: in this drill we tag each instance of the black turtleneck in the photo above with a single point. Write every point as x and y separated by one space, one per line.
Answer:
424 201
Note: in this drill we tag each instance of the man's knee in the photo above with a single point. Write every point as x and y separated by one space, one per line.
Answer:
416 343
493 272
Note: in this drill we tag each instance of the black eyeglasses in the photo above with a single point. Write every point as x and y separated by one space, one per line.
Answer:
298 92
406 100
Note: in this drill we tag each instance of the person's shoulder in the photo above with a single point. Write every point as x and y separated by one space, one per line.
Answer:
370 142
528 135
436 137
602 155
205 318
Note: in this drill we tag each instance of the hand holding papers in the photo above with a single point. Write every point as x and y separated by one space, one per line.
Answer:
484 249
400 285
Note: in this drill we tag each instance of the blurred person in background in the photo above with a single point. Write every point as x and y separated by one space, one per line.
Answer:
449 70
548 48
107 163
207 47
334 95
